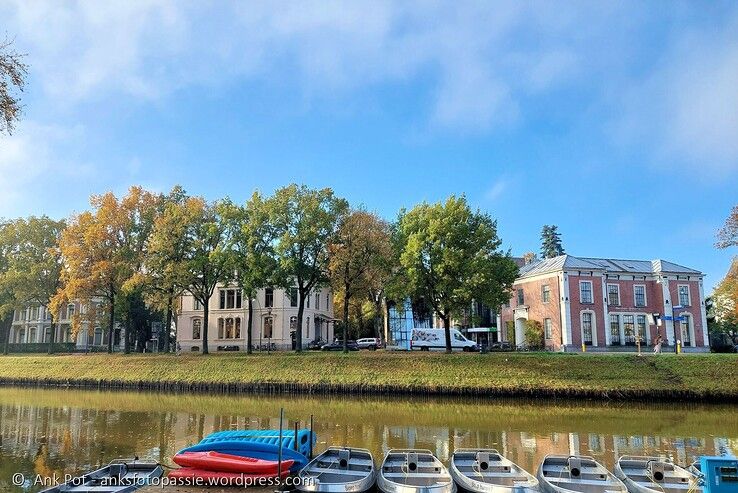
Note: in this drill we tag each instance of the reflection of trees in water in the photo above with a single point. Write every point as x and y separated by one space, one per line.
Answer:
39 434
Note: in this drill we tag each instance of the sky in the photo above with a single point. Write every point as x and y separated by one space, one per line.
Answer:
616 121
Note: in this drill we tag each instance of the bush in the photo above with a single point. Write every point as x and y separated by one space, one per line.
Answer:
42 347
534 334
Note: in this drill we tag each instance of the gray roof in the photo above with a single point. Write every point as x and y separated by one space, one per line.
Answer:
566 262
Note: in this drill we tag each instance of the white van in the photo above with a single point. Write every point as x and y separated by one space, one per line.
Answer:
435 339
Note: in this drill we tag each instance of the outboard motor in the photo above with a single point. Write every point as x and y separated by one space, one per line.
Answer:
343 458
483 460
412 462
575 467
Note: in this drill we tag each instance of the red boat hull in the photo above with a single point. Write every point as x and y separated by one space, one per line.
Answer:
216 461
200 477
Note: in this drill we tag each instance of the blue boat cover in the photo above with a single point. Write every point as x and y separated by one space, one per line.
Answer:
266 436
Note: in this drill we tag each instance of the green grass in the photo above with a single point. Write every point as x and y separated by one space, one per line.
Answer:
709 375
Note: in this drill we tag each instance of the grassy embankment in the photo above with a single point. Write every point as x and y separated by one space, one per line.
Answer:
710 377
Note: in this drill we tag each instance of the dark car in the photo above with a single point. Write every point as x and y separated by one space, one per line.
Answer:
338 346
501 346
316 345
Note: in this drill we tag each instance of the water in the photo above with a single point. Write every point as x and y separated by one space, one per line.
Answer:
68 431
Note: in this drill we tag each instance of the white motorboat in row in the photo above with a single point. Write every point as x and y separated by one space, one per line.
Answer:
351 470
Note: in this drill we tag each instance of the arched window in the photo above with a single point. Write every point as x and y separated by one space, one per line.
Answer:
686 330
267 332
196 326
221 325
238 328
98 337
70 310
229 328
293 323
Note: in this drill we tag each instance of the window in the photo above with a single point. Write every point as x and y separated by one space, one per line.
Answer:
587 327
237 333
585 291
546 293
293 297
547 328
98 340
686 336
293 323
639 295
196 326
317 301
613 294
684 298
229 328
327 300
307 301
614 329
268 297
642 328
521 297
221 327
629 330
230 299
70 310
268 325
196 305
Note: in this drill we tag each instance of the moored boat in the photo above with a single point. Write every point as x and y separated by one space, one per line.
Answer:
120 476
576 473
256 450
655 475
300 441
486 471
339 470
217 461
414 471
200 477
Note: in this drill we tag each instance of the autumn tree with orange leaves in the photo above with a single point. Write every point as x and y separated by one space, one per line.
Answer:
102 249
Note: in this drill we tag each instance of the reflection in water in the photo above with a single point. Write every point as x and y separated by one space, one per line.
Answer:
61 431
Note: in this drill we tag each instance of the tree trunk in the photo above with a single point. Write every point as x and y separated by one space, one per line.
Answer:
127 343
300 313
447 330
168 326
6 325
52 337
345 319
111 330
249 325
205 321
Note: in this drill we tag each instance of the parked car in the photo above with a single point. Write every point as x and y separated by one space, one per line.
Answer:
338 346
435 339
372 343
501 346
316 345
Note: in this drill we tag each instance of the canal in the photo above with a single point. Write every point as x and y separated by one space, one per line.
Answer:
46 432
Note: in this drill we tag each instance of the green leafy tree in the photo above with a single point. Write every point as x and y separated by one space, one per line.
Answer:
305 222
551 242
534 334
358 257
452 256
13 73
251 251
191 237
8 302
33 262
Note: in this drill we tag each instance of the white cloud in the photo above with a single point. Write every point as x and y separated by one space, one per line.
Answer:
497 189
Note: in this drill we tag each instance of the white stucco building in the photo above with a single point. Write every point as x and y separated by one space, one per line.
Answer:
274 319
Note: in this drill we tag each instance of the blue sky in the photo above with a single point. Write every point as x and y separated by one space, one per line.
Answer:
617 121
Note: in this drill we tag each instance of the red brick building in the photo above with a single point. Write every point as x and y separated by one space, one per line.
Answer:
607 303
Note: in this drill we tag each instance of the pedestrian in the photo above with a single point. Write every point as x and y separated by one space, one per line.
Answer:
657 344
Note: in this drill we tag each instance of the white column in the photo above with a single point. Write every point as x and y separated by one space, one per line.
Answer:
605 298
668 311
565 309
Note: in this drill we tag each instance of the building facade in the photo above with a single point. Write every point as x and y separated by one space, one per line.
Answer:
607 303
274 319
32 325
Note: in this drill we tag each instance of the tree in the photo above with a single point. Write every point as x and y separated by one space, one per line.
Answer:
102 250
251 251
8 302
533 334
529 258
452 256
191 238
728 234
13 74
33 262
725 300
305 222
551 242
358 256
